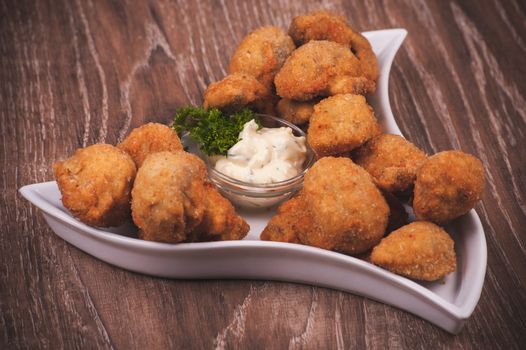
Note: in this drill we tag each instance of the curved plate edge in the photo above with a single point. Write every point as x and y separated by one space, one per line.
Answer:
272 256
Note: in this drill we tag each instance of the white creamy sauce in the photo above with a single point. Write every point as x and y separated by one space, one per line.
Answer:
263 156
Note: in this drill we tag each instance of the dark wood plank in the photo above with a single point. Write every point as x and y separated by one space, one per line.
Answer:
78 72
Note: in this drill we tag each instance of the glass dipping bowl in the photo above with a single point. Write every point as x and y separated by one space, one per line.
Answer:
250 195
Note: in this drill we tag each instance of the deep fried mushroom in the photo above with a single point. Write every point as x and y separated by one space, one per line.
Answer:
95 184
321 68
391 160
324 25
420 250
340 124
338 209
150 138
172 201
296 112
261 54
237 91
448 185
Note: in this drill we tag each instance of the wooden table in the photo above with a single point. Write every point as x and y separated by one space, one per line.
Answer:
73 73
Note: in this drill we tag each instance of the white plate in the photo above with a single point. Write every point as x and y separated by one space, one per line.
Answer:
445 303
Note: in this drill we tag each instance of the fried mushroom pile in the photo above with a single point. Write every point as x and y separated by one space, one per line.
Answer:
165 189
356 198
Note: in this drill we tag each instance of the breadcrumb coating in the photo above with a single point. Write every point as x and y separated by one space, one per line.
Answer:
150 138
321 68
172 201
448 185
391 160
324 25
338 209
262 53
237 91
291 217
420 250
95 184
296 112
340 124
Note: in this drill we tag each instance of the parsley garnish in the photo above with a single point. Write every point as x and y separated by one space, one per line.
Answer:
215 131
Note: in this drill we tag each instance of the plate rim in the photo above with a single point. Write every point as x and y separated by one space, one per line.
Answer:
33 194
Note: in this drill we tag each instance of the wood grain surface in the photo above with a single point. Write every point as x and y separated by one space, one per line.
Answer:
77 72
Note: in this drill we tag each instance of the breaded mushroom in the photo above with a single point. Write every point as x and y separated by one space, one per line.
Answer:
391 160
95 184
319 25
338 209
448 185
220 221
420 250
340 124
291 217
172 201
237 91
350 210
150 138
262 53
321 68
324 25
296 112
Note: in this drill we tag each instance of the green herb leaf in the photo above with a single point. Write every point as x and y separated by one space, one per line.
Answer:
215 131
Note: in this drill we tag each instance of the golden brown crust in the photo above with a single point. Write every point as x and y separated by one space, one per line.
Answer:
346 204
296 112
362 48
292 217
168 196
338 209
324 25
262 53
448 185
321 68
340 124
391 160
420 250
220 220
95 184
237 91
319 25
150 138
172 202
